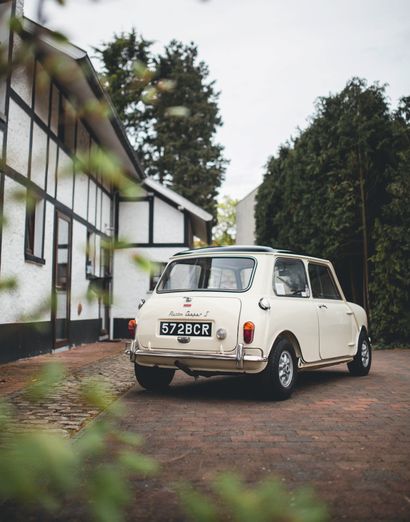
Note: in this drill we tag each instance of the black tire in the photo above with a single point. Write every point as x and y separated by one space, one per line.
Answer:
153 378
362 361
278 379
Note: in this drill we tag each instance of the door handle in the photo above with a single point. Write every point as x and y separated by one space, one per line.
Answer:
349 313
323 306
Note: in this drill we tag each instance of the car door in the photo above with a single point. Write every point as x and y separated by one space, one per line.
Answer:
336 321
293 310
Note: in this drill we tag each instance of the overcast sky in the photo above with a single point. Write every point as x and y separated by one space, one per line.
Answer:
270 58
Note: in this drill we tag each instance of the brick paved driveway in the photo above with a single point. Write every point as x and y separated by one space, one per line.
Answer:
347 437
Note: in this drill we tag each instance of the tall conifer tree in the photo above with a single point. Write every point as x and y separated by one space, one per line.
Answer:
174 130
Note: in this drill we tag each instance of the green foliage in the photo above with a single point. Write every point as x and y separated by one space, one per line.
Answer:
43 470
49 377
268 501
224 232
332 191
169 108
390 288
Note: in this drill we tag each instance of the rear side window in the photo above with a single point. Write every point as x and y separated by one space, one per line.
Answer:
322 282
289 278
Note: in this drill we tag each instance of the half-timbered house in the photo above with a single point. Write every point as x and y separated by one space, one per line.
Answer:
57 222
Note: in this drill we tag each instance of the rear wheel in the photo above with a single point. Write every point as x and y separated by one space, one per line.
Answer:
153 378
362 361
278 379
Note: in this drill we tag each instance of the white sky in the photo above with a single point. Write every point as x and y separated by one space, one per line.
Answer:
270 58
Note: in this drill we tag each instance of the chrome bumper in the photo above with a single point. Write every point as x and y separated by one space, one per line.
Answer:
239 357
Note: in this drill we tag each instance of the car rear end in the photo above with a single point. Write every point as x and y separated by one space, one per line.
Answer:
194 319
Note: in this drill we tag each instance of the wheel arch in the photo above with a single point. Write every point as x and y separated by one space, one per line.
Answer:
291 337
361 330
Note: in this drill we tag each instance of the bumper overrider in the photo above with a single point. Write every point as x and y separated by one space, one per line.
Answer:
238 357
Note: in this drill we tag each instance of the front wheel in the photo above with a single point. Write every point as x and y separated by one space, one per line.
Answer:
362 361
278 379
153 378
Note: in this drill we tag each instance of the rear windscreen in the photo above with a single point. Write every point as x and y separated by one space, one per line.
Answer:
208 273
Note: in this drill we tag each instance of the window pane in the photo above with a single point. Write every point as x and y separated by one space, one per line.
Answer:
321 280
289 278
208 273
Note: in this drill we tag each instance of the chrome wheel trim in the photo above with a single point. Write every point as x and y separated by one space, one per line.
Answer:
285 368
365 354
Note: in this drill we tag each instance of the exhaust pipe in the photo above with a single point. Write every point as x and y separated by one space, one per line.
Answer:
186 369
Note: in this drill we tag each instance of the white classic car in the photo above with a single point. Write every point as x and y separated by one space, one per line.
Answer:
253 310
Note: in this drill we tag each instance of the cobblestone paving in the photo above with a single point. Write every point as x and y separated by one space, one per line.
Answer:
63 411
347 437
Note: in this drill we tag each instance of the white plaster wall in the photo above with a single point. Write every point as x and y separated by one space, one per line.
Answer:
168 223
134 221
52 166
39 157
106 213
31 299
98 256
79 282
18 139
92 202
245 220
19 7
22 76
80 194
65 179
130 283
98 220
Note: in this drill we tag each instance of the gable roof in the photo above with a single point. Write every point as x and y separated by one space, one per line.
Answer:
77 77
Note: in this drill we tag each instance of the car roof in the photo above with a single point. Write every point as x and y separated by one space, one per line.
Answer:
233 248
246 249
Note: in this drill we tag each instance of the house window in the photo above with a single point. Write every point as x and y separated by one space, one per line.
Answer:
90 254
34 228
156 271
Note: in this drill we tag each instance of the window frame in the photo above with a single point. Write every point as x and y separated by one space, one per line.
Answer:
332 279
306 278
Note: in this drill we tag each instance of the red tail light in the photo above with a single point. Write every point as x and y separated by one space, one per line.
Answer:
248 332
132 326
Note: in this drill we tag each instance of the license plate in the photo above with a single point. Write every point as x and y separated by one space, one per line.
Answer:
185 328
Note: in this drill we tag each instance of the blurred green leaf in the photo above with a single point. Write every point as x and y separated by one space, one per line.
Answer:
50 375
142 262
179 111
150 96
197 507
96 393
8 283
166 85
138 463
108 493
